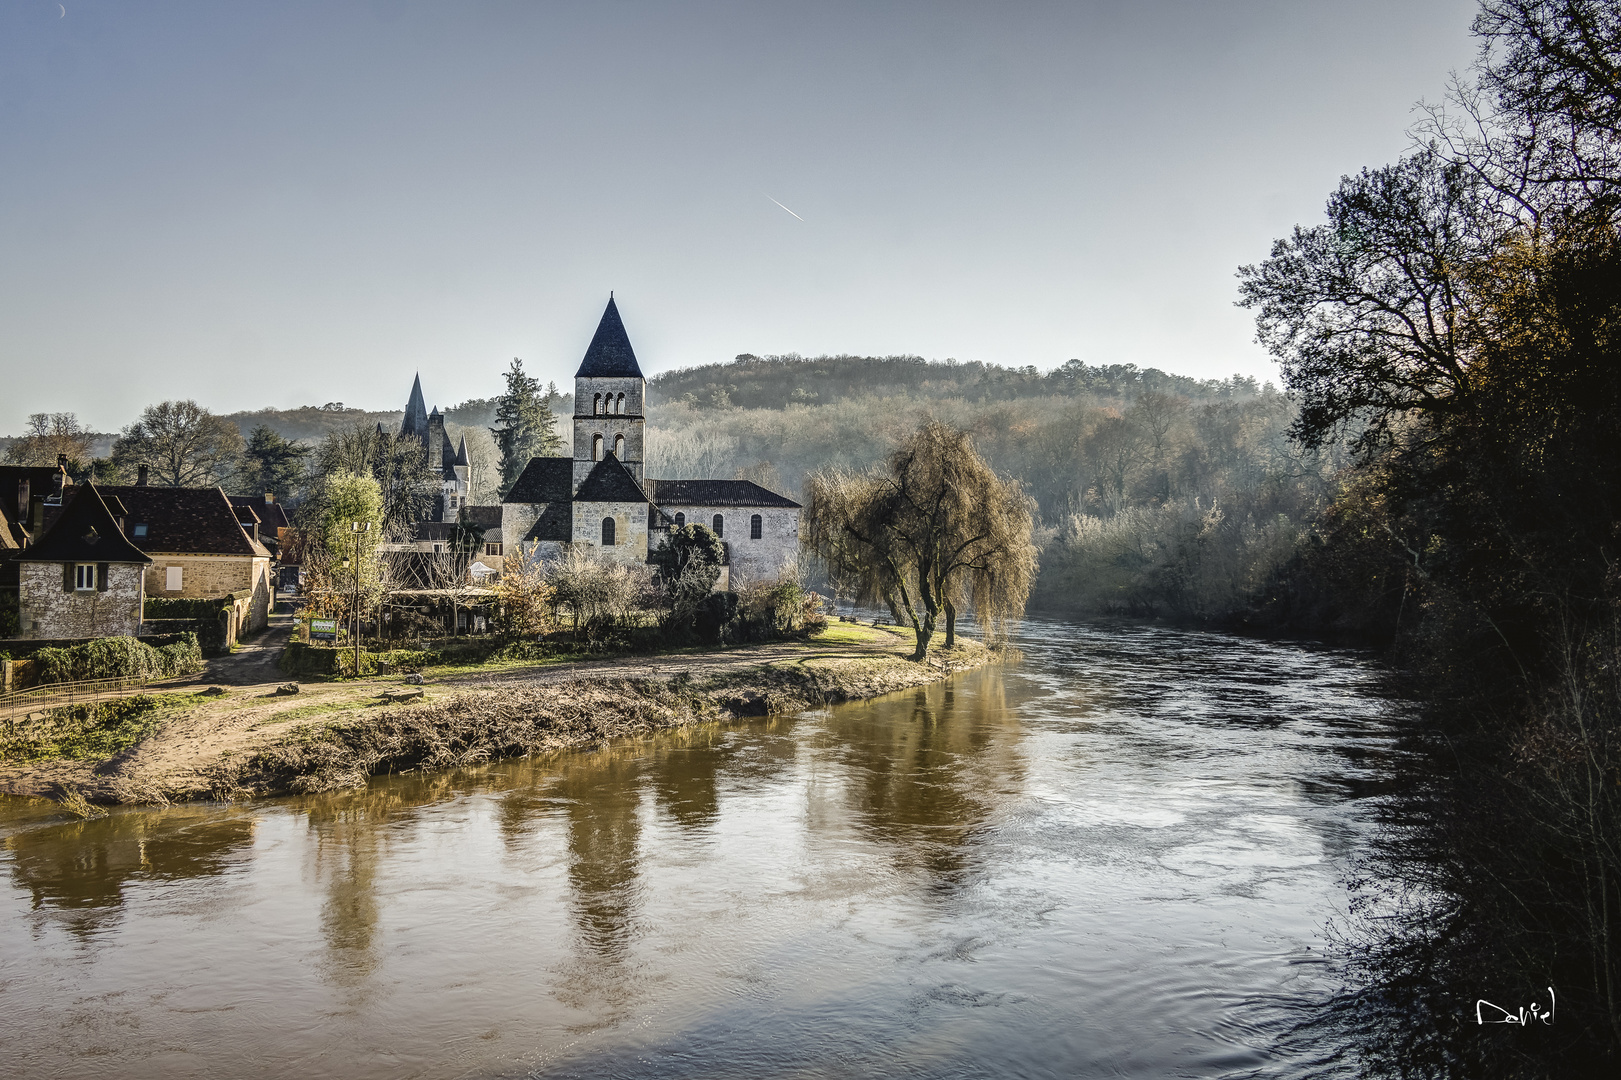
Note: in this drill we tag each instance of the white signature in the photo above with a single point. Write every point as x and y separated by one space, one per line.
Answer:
1524 1017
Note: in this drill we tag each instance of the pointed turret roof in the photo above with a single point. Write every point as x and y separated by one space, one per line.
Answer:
461 452
416 412
609 354
610 481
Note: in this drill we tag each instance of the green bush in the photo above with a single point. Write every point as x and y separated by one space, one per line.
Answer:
185 607
120 658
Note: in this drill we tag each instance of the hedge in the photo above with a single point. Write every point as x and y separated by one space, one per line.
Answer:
119 658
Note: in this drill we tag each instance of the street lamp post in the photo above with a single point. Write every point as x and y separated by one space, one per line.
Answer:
358 528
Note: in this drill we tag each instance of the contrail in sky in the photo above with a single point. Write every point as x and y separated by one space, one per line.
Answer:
785 208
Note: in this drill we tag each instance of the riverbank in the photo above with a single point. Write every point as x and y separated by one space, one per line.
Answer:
249 741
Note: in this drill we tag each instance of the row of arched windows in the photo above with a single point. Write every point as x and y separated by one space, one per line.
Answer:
606 404
718 524
756 525
596 447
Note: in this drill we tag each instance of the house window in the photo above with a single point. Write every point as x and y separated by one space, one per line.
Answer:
680 520
619 447
720 525
596 448
607 532
173 576
492 549
754 527
84 577
140 530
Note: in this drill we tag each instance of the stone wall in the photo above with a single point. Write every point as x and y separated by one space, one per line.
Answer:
751 560
630 529
216 575
49 611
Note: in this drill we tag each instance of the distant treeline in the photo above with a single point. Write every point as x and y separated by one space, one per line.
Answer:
776 382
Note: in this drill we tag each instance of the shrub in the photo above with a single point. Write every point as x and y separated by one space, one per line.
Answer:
120 658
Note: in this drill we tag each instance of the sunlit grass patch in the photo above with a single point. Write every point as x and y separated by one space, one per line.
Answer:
92 731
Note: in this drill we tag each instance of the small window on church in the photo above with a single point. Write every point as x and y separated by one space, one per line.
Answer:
720 525
619 447
596 404
680 520
754 527
607 532
619 404
596 448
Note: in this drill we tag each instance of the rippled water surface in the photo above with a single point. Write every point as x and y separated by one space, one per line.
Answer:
1113 859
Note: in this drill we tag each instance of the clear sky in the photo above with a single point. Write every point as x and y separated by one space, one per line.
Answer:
289 203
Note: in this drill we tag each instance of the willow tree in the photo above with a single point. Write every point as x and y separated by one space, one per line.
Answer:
935 531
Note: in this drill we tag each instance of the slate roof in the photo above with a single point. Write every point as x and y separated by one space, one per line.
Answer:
556 522
715 493
610 481
486 517
544 480
86 532
416 413
609 355
461 452
272 515
185 521
438 531
41 481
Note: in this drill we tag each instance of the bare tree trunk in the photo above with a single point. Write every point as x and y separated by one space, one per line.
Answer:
951 624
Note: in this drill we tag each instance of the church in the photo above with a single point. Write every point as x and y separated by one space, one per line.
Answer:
600 496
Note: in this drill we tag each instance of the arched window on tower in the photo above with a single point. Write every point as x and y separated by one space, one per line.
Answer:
607 532
596 404
680 520
619 447
619 404
755 527
596 448
720 525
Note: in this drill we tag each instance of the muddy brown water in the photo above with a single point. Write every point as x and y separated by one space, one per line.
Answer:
1113 859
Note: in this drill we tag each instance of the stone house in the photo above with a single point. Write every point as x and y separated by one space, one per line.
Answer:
83 577
201 546
600 497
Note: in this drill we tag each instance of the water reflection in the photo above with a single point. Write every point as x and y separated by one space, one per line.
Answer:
1110 861
82 869
924 766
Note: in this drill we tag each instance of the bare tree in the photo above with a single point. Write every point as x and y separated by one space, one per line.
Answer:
49 436
183 444
938 530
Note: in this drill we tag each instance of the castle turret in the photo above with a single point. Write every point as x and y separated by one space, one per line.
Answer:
609 395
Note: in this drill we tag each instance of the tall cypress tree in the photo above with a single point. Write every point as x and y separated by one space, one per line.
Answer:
527 427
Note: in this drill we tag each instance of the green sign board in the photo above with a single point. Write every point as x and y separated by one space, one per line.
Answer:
326 629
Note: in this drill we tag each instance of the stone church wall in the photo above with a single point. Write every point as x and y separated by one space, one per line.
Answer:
630 529
751 560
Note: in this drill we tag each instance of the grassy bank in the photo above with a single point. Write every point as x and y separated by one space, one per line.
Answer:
249 742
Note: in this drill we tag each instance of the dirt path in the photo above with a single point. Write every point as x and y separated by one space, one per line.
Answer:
250 714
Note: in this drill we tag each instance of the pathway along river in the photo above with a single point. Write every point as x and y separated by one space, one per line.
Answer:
1114 859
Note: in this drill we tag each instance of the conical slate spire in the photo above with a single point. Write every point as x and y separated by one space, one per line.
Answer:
461 452
416 413
609 354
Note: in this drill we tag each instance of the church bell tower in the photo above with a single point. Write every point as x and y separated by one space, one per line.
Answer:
609 394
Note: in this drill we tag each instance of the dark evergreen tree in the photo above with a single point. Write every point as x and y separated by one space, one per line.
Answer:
526 428
272 464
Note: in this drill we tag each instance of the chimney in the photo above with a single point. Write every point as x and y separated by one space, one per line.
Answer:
140 479
270 497
22 499
62 481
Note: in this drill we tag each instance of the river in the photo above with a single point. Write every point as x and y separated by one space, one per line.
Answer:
1115 858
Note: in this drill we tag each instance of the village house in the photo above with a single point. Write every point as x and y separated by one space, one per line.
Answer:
202 547
83 578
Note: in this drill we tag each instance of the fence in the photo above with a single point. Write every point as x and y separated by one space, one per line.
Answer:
30 704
